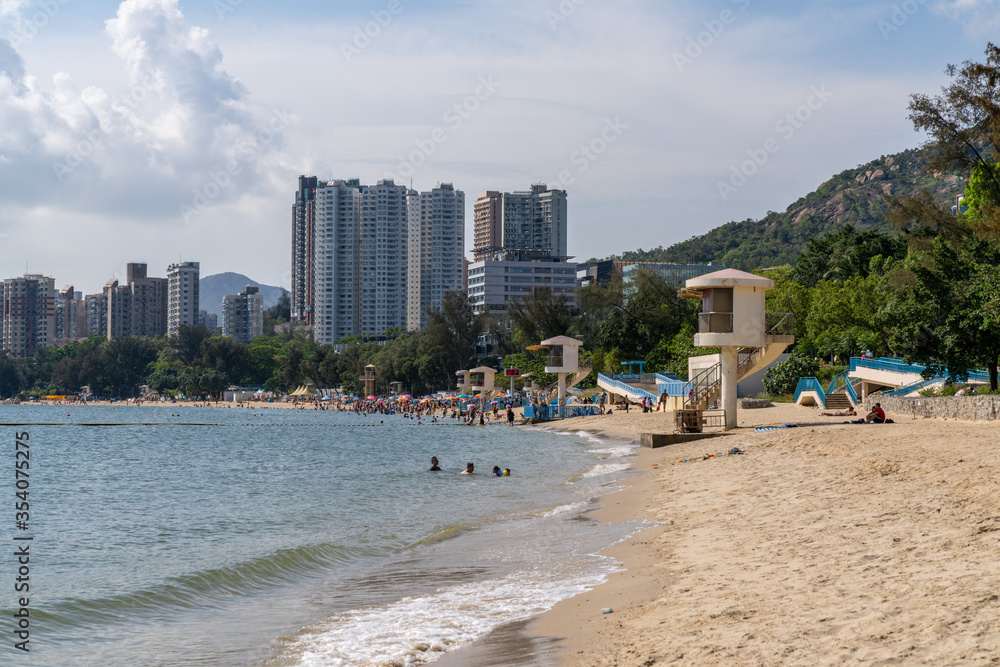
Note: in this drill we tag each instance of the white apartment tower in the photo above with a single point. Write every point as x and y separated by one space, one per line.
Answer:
383 253
436 250
337 221
182 296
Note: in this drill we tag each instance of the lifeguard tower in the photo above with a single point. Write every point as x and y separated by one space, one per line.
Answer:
368 380
483 380
563 360
463 379
733 318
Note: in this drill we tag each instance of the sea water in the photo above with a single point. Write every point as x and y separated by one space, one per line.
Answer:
214 536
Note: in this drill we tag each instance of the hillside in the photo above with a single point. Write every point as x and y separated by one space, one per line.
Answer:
213 288
855 196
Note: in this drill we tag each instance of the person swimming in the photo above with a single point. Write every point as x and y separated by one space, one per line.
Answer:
496 471
468 470
434 464
506 472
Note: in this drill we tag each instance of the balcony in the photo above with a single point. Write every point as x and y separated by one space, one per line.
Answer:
709 323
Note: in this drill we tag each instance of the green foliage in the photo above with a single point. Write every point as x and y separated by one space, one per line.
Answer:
782 378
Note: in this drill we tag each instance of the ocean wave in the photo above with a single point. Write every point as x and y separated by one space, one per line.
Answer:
417 630
201 589
563 509
605 469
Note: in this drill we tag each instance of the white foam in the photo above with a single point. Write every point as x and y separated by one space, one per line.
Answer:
563 509
605 469
417 630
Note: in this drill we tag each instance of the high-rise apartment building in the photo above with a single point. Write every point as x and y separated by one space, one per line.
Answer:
303 250
182 296
96 314
137 308
243 315
337 225
71 323
29 314
383 253
436 253
532 222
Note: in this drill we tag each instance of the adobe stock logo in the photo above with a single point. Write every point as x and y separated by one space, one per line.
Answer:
786 126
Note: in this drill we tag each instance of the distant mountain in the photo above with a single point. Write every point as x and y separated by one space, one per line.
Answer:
854 196
213 288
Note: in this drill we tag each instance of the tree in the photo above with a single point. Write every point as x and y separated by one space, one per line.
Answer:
946 318
782 378
541 315
455 328
963 124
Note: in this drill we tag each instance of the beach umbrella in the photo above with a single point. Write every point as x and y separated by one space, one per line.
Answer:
406 397
371 398
464 396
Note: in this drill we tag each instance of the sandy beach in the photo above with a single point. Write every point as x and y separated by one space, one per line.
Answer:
825 544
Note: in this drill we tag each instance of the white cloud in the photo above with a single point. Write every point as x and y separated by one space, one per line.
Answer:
980 18
181 122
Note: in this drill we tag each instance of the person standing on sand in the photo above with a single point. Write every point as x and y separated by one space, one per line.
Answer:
510 416
663 401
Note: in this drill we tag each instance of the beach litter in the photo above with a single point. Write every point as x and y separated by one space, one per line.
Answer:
607 610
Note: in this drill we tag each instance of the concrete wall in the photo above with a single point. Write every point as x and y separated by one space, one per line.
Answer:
964 408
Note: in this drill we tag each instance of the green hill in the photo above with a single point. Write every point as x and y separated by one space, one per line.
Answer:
854 196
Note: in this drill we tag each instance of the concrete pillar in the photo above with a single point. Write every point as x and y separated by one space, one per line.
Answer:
730 366
562 392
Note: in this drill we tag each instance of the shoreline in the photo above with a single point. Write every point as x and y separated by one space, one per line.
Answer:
823 544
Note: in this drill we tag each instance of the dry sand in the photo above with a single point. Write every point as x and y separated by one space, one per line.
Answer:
825 544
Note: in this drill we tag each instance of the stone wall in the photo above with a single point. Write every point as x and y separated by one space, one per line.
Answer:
752 403
964 408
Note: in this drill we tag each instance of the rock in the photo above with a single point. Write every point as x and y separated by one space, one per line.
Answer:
860 178
876 175
887 188
889 160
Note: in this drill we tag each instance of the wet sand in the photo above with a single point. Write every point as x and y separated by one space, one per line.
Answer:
830 543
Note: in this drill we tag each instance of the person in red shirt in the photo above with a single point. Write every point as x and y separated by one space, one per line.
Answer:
876 416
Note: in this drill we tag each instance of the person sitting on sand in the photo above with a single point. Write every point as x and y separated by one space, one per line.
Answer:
468 470
876 416
434 464
849 412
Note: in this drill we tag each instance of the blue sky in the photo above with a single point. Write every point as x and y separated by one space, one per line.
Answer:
157 130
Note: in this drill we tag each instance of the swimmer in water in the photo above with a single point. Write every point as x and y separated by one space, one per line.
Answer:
434 464
506 472
496 471
468 470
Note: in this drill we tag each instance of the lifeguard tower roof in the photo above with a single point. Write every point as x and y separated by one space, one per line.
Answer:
483 369
693 287
562 340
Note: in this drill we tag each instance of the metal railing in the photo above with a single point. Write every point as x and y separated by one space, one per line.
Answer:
559 411
715 323
848 386
810 384
703 384
779 324
913 386
626 387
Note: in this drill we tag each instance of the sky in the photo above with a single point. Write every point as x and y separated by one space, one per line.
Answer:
160 131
